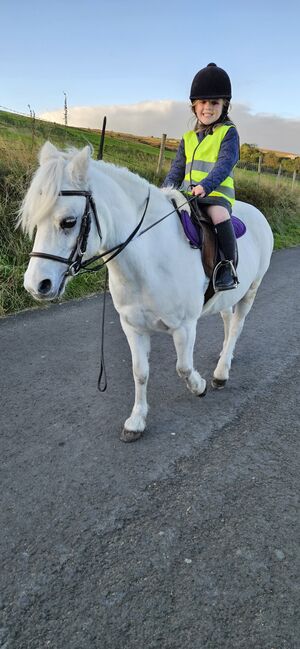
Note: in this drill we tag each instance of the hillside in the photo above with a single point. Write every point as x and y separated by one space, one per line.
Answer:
138 153
171 143
280 154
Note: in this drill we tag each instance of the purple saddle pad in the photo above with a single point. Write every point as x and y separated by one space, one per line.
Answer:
193 232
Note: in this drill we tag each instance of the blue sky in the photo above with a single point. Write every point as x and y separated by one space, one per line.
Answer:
113 52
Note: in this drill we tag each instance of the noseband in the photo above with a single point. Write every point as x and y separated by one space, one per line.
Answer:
74 260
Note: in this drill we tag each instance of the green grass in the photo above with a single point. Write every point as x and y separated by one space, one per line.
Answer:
278 204
18 160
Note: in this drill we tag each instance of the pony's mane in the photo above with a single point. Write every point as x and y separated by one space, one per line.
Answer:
43 191
47 182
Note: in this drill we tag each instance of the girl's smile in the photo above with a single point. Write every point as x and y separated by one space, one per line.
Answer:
208 111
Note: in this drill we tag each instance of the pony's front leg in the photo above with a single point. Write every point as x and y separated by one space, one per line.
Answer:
184 340
140 350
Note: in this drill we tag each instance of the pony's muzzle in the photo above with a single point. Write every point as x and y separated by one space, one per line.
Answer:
47 290
45 287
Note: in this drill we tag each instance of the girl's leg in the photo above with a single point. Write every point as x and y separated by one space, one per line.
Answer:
224 276
217 213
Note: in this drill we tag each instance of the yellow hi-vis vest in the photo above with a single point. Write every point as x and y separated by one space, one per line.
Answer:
200 160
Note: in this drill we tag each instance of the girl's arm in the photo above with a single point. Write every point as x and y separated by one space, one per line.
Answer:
177 171
228 157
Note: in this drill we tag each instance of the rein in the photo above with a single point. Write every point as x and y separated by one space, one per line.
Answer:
74 261
117 249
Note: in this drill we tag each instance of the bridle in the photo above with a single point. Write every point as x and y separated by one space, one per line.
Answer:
74 261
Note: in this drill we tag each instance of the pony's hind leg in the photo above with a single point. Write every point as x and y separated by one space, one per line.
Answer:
184 340
242 308
140 350
226 317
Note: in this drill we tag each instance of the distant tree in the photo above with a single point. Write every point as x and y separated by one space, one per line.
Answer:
250 153
271 160
296 164
288 164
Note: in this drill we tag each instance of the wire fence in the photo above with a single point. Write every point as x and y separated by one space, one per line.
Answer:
278 176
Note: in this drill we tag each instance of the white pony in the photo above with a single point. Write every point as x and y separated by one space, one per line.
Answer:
157 282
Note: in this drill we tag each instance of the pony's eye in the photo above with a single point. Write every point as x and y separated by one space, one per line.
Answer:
68 222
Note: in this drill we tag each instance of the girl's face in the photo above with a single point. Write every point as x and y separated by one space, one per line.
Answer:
208 111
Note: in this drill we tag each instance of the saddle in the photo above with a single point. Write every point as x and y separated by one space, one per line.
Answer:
201 234
209 244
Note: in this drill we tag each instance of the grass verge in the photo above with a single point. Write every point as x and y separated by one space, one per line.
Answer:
278 204
17 163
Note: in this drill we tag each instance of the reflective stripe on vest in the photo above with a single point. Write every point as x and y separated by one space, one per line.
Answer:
200 160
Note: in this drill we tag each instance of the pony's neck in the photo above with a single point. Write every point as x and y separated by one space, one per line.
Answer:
120 197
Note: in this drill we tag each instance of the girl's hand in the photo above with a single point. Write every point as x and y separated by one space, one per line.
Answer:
198 191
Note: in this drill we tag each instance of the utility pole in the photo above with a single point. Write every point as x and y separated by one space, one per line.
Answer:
32 115
66 110
161 154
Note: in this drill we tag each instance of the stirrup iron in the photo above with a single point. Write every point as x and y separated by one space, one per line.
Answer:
221 264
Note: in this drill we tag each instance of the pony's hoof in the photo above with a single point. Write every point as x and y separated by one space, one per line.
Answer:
203 393
218 384
130 435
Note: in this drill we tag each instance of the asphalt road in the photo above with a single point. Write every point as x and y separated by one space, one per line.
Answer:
186 539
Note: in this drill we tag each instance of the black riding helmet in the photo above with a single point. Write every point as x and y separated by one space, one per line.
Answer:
211 83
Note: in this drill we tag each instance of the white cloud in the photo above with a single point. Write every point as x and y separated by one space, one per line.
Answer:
267 131
174 118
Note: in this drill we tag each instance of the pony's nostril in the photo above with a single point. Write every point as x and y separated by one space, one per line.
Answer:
45 286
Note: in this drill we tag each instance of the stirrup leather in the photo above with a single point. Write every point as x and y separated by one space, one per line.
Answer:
224 262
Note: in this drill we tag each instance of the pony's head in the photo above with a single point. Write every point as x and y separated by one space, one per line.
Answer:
55 219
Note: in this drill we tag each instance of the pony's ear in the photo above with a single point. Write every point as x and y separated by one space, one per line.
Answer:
78 166
48 151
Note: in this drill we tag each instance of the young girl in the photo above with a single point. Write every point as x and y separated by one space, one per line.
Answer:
204 163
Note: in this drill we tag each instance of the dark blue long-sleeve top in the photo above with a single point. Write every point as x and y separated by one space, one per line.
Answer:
228 157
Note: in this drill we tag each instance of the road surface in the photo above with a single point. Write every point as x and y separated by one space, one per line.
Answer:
186 539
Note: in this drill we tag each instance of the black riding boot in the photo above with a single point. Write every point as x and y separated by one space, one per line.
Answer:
225 277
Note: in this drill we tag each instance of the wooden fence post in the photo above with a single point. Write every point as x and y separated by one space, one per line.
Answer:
32 129
293 179
259 166
278 174
161 154
101 144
